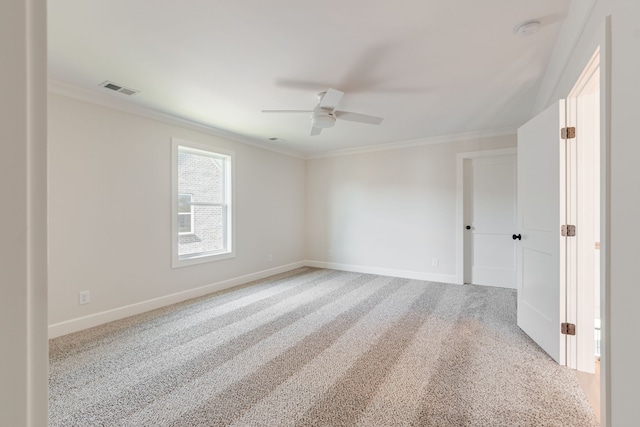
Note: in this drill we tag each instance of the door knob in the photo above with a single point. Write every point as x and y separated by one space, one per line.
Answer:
468 227
517 236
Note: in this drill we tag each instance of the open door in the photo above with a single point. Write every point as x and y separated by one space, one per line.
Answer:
539 275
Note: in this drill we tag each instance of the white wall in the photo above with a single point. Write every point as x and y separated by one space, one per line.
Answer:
23 262
620 236
110 215
624 198
388 212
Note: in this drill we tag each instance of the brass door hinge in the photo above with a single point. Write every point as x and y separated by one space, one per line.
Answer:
568 231
568 133
568 329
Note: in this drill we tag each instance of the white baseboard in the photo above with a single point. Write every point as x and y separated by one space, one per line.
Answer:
85 322
80 323
406 274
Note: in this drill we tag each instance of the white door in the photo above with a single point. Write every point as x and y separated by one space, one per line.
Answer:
540 289
491 209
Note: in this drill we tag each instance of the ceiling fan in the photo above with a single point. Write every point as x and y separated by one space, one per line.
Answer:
324 115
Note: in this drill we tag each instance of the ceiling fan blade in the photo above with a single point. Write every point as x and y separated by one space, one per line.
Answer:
287 111
315 131
357 117
331 99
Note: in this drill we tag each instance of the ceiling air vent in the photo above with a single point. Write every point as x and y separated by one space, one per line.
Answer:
118 88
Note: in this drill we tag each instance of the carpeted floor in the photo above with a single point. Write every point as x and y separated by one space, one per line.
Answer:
316 348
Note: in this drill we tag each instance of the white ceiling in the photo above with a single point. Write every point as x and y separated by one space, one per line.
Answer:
429 67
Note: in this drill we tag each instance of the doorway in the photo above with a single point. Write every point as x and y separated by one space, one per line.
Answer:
559 216
487 213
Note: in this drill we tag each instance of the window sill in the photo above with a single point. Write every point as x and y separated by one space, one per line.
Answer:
177 263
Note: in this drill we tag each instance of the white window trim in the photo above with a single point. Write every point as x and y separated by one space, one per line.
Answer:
230 252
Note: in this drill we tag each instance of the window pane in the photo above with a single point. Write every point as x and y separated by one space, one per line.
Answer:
208 233
184 203
201 176
184 223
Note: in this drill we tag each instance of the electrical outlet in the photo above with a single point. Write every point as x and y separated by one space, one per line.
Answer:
269 258
435 262
84 297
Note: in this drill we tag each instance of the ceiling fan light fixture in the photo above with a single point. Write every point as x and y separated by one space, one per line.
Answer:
322 120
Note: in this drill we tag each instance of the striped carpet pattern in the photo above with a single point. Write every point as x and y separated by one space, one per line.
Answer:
315 347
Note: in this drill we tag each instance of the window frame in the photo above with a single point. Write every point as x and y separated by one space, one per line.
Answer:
227 203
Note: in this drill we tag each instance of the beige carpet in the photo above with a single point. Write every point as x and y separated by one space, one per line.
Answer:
316 348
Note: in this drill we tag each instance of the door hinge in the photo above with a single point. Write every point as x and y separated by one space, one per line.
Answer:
568 133
568 231
568 328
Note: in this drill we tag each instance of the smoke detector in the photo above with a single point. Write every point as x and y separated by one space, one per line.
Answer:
528 28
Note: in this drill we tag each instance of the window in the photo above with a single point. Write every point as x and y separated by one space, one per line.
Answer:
202 204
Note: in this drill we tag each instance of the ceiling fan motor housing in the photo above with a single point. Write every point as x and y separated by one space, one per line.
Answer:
322 119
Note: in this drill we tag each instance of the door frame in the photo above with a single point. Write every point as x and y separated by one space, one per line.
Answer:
460 158
579 303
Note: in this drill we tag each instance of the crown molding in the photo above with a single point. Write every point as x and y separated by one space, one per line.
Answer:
74 92
442 139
